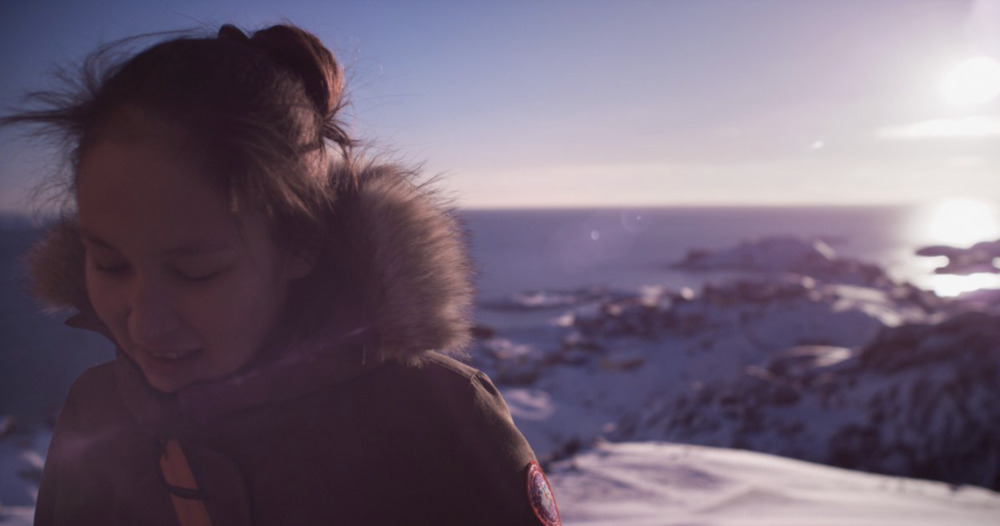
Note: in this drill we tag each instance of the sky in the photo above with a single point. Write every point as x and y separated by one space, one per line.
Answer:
606 103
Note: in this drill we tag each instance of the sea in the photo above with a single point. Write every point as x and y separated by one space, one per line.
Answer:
526 250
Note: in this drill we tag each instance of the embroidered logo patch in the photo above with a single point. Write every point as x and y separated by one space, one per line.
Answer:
543 503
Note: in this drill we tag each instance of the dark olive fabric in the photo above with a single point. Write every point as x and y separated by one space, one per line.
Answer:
394 444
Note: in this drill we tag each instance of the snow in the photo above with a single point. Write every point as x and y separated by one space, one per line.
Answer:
640 484
21 458
17 515
827 366
607 361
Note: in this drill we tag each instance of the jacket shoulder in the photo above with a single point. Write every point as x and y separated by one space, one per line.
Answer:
94 401
437 366
432 440
439 382
481 457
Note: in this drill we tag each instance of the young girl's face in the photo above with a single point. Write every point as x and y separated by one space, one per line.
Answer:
189 289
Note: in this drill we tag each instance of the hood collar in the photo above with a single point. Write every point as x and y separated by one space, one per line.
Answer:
411 257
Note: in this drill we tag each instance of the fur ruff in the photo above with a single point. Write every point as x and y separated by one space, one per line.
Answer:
407 248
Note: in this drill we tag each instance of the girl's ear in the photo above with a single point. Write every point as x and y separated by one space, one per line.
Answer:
299 264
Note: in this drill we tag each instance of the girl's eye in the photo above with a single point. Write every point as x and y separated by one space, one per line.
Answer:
110 269
198 276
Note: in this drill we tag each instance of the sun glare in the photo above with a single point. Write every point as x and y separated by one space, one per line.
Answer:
948 285
962 222
974 81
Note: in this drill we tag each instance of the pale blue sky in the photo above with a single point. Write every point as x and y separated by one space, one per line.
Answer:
614 103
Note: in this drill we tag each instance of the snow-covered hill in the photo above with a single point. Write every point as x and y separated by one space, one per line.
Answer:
659 484
917 401
835 367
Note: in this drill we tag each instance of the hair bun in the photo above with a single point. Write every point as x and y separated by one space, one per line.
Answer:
305 55
231 32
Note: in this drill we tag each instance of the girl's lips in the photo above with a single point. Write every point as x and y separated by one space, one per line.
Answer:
165 354
169 363
170 369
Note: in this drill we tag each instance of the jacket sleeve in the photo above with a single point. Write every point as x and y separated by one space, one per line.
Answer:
493 461
61 462
93 470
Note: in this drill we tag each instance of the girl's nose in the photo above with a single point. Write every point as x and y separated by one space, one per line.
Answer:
152 319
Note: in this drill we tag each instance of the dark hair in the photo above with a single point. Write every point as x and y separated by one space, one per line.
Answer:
262 111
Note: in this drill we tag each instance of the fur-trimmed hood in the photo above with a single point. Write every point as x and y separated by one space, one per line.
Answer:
408 254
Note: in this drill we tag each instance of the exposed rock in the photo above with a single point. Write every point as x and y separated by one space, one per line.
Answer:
807 257
979 258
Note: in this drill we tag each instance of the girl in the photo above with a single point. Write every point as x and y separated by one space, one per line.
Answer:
273 299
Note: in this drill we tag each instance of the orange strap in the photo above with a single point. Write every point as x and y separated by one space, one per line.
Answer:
190 508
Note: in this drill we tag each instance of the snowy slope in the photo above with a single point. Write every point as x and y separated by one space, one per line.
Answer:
574 373
660 484
21 458
834 368
918 401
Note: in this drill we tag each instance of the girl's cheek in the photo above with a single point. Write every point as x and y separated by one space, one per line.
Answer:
108 297
98 291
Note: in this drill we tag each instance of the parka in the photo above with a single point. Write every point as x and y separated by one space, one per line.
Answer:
364 426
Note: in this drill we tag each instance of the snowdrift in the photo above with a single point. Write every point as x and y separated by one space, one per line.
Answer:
657 484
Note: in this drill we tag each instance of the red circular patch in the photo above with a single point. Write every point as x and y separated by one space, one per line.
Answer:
543 503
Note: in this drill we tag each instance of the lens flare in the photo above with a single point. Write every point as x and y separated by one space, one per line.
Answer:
959 223
949 286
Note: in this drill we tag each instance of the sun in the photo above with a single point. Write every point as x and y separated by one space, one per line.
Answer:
962 222
974 81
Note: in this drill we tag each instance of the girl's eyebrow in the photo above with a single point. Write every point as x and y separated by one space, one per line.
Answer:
192 249
91 239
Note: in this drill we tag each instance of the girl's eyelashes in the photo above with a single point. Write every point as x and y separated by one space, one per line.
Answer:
104 260
112 268
198 276
187 268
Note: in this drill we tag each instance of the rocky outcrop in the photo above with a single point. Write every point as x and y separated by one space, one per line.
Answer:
783 254
917 401
979 258
836 366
